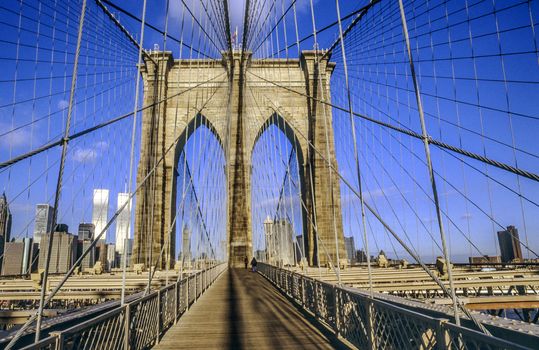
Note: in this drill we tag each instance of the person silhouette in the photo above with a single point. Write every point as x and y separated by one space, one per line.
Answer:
246 261
253 264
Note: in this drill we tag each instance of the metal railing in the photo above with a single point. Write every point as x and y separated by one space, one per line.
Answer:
137 325
370 323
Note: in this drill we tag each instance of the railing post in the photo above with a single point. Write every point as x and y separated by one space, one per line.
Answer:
442 336
187 293
127 321
371 338
176 301
59 340
336 309
302 292
158 326
196 287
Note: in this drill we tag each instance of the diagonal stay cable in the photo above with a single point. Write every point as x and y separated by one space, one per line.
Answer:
96 127
94 242
132 16
393 233
440 144
123 29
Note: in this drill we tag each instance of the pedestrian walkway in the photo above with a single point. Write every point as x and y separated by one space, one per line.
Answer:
242 310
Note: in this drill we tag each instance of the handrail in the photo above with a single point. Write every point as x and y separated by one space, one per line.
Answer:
369 323
138 324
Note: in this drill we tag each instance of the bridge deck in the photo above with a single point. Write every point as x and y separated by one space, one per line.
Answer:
243 310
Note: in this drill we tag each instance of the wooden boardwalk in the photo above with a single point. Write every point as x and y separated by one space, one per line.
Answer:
242 310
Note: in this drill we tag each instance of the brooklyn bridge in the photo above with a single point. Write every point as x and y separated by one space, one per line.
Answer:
269 174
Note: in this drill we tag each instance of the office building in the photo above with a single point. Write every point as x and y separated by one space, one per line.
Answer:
484 259
88 261
86 231
129 253
186 245
63 252
5 225
260 255
20 257
122 223
100 212
509 244
112 261
279 241
361 256
43 221
350 247
300 248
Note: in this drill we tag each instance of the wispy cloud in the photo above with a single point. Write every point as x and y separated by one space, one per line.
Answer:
16 138
62 104
84 155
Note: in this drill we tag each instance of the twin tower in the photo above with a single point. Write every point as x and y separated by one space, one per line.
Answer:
237 98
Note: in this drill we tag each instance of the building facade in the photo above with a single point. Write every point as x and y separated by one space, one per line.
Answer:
43 221
86 231
186 246
509 244
5 226
122 223
350 247
63 252
100 211
88 261
20 257
279 241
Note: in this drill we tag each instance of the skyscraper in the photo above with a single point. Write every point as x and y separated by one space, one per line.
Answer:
270 245
43 221
350 247
122 223
186 245
89 260
509 244
19 257
284 235
63 252
111 256
100 211
86 231
279 241
5 226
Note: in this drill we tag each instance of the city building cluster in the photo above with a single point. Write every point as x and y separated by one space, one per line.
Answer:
29 254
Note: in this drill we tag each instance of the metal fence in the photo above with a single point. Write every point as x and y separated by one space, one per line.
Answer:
369 323
138 324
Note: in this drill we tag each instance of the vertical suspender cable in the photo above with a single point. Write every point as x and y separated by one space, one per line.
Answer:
131 160
326 126
425 138
356 157
60 174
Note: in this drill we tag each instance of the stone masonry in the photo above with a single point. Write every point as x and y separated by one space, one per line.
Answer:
237 99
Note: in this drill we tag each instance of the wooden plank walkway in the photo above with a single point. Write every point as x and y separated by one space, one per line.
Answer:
242 310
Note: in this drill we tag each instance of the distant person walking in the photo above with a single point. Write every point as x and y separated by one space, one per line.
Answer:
253 264
246 261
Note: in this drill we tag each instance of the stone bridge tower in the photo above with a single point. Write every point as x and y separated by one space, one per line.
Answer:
262 93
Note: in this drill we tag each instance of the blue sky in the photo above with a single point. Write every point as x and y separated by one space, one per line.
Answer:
478 72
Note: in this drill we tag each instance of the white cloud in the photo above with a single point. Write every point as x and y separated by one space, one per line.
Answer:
101 145
16 138
84 155
62 104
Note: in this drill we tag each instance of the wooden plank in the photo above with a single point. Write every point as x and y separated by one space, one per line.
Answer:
244 311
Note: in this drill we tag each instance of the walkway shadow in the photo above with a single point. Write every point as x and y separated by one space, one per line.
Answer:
234 314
